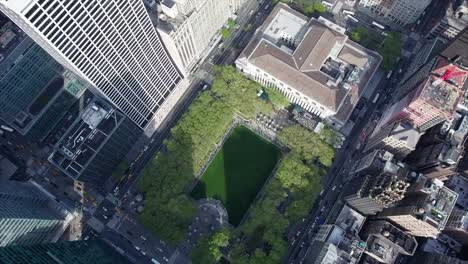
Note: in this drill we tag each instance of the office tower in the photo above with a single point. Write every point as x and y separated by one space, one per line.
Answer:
110 44
95 143
395 13
431 102
35 90
311 61
376 184
189 28
370 194
28 216
457 226
438 153
375 162
425 209
430 49
338 243
385 242
76 252
457 49
399 138
453 22
421 103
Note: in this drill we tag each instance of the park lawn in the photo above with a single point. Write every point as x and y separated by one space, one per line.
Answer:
238 172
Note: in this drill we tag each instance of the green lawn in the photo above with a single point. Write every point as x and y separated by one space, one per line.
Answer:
238 171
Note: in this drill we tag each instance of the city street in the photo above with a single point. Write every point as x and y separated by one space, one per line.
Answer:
335 179
128 232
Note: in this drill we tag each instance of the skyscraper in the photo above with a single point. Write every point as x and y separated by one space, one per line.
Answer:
28 216
421 103
95 143
457 49
111 44
35 90
77 252
370 194
394 12
425 209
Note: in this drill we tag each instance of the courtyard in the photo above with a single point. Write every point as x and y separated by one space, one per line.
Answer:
238 172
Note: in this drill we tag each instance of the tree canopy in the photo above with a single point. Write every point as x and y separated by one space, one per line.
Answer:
285 199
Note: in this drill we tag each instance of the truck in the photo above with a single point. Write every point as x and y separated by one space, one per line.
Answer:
153 260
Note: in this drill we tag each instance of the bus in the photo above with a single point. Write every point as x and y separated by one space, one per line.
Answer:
352 18
376 98
377 25
9 129
347 12
330 5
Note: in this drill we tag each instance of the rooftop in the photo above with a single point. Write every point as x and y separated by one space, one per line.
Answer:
458 48
459 184
457 14
336 246
433 202
443 96
386 242
458 220
10 37
313 56
349 220
404 132
85 137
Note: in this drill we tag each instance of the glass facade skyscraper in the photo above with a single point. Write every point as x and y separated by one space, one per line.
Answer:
111 44
35 90
27 216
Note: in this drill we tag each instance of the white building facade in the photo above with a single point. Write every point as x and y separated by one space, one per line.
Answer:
188 28
394 12
294 96
112 44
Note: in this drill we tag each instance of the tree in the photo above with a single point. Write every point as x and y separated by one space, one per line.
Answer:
225 33
208 249
231 23
360 34
319 8
390 49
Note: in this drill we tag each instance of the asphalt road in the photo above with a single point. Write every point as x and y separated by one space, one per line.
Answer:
343 163
223 57
138 244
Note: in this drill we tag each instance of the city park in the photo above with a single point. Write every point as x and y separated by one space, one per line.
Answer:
265 186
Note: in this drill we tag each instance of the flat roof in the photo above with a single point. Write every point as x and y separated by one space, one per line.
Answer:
85 137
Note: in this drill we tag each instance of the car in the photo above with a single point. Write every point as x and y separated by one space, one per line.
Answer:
334 188
137 248
142 237
105 209
105 216
251 12
142 252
